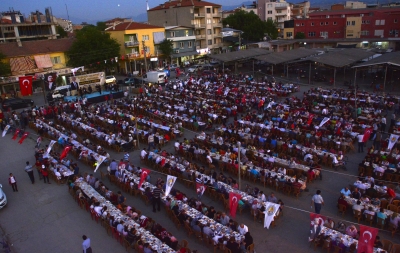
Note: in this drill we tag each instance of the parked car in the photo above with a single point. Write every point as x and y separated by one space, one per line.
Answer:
17 103
111 79
3 198
194 68
132 81
61 91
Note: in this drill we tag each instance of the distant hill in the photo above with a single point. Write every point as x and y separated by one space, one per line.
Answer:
231 7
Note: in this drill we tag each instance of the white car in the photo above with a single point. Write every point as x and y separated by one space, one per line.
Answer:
194 68
3 198
111 79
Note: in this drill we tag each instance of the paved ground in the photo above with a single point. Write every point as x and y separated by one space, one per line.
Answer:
44 218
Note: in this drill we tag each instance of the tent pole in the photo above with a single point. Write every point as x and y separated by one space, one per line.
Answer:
384 80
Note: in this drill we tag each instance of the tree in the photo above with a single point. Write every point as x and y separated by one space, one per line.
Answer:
4 65
166 47
62 33
92 47
252 26
271 29
300 35
101 26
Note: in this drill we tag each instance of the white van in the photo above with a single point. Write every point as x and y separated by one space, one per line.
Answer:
155 77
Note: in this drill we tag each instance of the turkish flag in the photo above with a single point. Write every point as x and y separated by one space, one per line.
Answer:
321 219
23 138
367 239
367 133
65 152
234 202
310 118
15 134
143 176
25 85
200 188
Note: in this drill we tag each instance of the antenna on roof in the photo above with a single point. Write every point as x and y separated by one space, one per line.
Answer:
66 7
147 2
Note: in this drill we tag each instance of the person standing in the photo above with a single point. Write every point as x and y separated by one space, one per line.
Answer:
86 245
383 124
13 182
150 141
317 201
360 138
45 174
157 198
28 169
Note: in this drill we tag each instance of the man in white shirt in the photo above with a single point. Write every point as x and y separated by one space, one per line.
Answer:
317 201
360 138
86 245
358 207
143 153
243 229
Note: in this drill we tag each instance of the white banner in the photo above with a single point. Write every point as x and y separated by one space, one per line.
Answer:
271 209
170 182
52 142
5 130
100 159
324 121
392 140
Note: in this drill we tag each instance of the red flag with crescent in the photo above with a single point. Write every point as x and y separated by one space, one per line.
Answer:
143 176
23 138
65 152
367 239
15 134
25 85
321 219
200 188
234 202
367 133
310 118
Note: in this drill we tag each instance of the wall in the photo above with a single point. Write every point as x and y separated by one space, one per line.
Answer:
353 27
63 60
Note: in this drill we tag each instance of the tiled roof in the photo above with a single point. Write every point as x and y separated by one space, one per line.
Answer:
34 47
131 26
183 3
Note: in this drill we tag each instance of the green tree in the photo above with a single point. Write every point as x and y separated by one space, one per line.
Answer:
271 29
166 47
300 35
93 46
101 26
61 32
252 26
4 65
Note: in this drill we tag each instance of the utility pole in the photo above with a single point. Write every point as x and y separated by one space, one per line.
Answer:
137 132
145 59
239 167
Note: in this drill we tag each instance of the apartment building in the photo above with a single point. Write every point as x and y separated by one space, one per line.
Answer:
184 43
277 11
204 17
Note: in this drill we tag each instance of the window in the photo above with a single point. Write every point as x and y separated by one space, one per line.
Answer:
311 34
181 44
323 34
353 22
289 34
302 24
209 42
335 23
364 33
186 32
269 12
395 21
209 21
326 23
322 23
172 34
209 31
56 60
348 23
145 37
279 11
312 23
269 18
297 24
133 38
147 49
269 5
208 10
190 44
215 40
380 22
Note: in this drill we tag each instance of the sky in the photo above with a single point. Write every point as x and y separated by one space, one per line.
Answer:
90 10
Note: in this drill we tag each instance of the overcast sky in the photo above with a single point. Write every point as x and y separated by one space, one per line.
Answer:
90 10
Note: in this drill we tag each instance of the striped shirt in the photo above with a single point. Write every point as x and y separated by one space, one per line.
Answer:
156 193
126 157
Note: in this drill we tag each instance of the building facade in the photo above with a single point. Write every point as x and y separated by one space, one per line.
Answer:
15 27
350 24
138 44
204 17
184 43
278 11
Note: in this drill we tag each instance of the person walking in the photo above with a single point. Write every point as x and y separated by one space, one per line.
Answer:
317 201
86 245
150 141
157 198
13 182
360 138
28 169
45 174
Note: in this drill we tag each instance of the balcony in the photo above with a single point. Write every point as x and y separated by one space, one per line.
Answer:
281 14
281 6
199 15
219 24
131 43
199 26
200 37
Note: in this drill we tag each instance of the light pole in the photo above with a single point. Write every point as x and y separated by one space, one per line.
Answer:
239 167
144 53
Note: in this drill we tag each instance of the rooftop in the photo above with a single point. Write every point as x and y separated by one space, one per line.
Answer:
131 26
288 56
390 59
183 3
239 55
339 58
